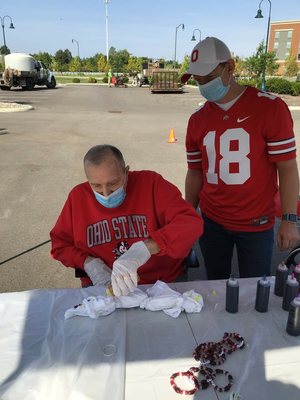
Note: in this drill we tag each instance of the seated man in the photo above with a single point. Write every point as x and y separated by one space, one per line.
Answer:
123 227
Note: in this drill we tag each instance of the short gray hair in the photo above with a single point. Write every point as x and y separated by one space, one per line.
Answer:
97 154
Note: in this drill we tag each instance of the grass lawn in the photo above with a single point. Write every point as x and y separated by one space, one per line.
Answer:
83 78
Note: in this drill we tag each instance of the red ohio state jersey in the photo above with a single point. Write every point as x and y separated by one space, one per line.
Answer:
237 151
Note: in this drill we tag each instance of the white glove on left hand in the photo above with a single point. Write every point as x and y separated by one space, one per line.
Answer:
124 272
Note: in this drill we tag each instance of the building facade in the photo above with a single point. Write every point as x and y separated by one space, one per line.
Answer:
285 39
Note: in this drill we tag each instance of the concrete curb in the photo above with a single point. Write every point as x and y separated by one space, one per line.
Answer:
294 108
14 107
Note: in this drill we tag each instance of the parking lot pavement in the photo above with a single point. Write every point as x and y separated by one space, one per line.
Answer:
41 155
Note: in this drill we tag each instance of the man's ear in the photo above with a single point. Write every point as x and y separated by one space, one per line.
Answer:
231 65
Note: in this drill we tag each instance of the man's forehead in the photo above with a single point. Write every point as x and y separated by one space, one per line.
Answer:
213 72
109 161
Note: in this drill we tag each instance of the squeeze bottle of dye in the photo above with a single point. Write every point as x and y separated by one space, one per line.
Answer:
262 295
232 295
282 272
290 291
293 322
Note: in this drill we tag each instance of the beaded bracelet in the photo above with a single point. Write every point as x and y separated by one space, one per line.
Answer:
224 388
214 353
227 338
209 375
191 377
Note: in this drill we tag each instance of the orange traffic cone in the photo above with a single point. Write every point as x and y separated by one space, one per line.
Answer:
172 138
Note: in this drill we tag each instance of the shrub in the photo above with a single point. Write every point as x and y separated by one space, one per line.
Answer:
91 80
295 88
125 79
105 79
247 82
76 80
279 85
192 82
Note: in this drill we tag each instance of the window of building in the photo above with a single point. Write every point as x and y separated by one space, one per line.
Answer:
290 34
277 34
288 45
275 45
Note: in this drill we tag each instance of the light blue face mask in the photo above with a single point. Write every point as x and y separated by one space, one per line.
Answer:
113 200
214 90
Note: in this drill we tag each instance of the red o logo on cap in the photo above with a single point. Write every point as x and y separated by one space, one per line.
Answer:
194 56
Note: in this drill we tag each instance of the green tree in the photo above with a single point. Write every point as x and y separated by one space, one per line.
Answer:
90 63
255 64
63 58
4 50
75 65
44 57
239 67
170 63
102 63
291 66
118 59
185 64
134 65
86 65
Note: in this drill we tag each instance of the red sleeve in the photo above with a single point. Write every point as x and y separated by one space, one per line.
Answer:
180 224
193 152
63 248
281 142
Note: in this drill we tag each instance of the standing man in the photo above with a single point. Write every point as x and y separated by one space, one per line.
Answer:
123 226
109 75
240 145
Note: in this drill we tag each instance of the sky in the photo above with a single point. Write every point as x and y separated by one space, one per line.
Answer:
144 28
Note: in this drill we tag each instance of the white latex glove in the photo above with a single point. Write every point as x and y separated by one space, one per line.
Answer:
124 273
98 272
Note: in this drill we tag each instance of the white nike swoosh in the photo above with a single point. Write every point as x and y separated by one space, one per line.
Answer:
242 119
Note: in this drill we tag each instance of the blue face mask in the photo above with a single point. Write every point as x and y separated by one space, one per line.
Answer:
113 200
214 90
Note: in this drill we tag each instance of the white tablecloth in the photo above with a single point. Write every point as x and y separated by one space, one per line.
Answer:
131 354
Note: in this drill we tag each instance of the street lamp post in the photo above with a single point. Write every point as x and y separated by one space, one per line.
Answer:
193 37
106 27
75 41
11 26
177 27
259 15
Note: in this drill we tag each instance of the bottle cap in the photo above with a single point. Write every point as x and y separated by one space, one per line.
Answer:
264 281
292 281
283 267
232 281
296 301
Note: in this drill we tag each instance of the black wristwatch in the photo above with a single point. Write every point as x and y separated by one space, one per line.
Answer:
290 217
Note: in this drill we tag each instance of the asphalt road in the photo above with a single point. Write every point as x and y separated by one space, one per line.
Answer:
41 155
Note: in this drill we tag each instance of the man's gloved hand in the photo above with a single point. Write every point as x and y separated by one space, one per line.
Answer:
124 273
98 272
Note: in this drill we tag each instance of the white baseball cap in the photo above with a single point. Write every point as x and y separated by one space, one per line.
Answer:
206 56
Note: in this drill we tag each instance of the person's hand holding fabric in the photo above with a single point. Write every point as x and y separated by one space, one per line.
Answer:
98 272
124 273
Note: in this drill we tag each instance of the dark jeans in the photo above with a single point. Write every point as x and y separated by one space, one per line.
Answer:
254 250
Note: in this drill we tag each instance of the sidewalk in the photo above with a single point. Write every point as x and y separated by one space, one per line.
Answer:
293 102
